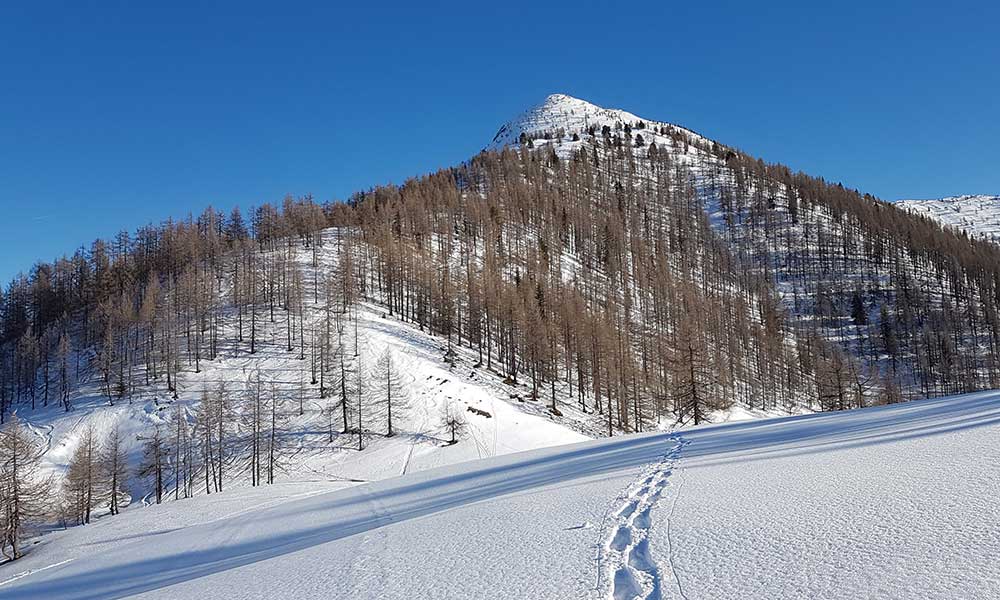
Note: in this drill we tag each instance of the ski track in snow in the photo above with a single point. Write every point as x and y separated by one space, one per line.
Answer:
628 564
33 571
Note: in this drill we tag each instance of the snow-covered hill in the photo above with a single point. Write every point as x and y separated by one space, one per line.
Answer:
977 215
498 420
559 112
889 502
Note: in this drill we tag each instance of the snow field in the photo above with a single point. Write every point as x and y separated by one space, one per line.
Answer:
890 502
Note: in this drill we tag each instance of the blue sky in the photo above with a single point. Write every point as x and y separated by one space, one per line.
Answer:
113 115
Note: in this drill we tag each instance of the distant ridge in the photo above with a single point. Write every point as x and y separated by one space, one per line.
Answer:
978 214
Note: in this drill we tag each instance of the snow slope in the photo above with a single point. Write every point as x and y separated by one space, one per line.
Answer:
309 452
430 382
978 215
572 115
891 502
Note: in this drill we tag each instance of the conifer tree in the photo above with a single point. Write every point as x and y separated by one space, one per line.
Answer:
80 486
391 393
25 496
113 469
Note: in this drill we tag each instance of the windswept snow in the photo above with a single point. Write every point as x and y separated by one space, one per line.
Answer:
977 215
891 502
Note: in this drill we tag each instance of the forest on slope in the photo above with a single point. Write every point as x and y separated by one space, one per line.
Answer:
627 270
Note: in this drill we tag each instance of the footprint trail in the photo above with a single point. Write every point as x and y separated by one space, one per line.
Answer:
628 563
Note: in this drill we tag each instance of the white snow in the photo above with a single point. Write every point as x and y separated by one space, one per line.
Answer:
977 215
571 115
891 502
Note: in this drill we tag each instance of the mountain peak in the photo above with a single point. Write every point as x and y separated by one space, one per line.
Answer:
554 98
559 111
571 115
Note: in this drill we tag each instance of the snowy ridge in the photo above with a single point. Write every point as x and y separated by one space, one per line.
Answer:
571 115
977 215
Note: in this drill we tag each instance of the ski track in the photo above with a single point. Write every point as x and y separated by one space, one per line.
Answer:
409 455
33 571
628 564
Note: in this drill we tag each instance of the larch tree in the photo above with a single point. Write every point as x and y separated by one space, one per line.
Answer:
113 461
274 435
64 352
24 489
690 374
183 452
391 392
80 485
253 422
155 457
452 421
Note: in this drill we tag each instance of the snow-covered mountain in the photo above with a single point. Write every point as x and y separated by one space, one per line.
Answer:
569 115
525 504
977 215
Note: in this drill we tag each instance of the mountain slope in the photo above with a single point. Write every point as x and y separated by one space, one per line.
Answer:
314 446
710 512
887 290
977 215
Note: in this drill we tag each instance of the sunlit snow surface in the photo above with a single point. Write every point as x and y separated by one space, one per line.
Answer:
979 216
894 502
559 111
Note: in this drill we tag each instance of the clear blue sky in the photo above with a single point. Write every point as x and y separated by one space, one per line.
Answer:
113 115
